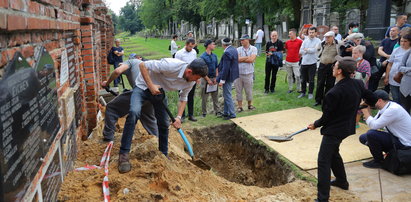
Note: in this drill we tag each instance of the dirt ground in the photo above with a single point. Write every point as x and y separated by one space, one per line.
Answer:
155 177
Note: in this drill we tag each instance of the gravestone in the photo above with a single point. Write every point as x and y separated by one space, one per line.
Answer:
236 34
378 18
29 121
267 33
352 15
321 30
215 34
243 30
334 19
306 9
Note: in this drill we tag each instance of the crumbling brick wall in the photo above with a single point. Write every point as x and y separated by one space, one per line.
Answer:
81 28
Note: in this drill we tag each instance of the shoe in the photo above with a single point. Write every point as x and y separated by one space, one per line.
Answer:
191 118
204 115
372 164
301 95
342 185
228 118
272 91
290 91
106 139
310 96
251 107
219 114
317 103
299 91
240 109
266 92
124 165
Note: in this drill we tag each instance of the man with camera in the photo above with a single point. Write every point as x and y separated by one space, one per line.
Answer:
395 120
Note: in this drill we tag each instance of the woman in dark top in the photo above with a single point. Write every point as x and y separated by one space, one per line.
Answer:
274 51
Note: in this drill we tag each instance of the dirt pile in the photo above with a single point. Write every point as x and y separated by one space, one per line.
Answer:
155 177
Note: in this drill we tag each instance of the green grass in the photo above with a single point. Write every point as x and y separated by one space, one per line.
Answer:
158 48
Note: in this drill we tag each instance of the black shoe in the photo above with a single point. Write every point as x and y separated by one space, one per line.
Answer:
266 92
290 91
272 91
219 114
299 91
342 185
204 115
317 103
191 118
228 118
105 139
372 164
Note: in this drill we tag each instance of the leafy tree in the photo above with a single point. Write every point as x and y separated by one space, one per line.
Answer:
155 13
129 19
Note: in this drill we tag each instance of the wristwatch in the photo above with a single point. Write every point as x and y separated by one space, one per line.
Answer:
178 117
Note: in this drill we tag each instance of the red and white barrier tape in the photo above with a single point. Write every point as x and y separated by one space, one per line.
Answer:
104 162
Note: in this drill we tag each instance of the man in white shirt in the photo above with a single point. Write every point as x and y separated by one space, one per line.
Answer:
188 54
173 46
309 50
168 74
246 58
259 40
397 123
337 35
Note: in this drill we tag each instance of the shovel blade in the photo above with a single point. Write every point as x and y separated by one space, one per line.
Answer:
201 164
279 138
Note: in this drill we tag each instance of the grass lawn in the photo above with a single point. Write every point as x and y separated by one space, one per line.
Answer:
158 48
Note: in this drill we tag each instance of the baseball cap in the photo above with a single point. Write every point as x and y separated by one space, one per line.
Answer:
381 94
330 33
245 36
132 56
207 42
347 64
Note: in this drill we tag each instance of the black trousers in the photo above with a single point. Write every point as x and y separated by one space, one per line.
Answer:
270 71
308 75
405 102
375 80
329 158
325 81
190 102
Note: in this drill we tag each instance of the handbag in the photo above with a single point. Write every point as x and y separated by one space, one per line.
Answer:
398 77
398 161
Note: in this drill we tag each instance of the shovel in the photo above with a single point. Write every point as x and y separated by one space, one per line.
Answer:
285 138
198 162
110 91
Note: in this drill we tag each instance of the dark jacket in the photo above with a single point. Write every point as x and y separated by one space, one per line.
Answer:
340 108
228 67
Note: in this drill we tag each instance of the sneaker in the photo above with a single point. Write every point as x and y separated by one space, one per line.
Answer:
240 109
228 117
272 91
342 185
290 91
106 139
372 164
191 118
310 96
301 95
266 92
219 114
204 115
124 165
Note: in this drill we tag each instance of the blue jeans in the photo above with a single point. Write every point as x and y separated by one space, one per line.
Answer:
137 99
228 100
379 141
258 46
116 80
395 92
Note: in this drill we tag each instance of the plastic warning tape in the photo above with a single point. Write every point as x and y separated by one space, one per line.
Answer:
87 167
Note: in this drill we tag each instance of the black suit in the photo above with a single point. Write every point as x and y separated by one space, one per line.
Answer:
338 121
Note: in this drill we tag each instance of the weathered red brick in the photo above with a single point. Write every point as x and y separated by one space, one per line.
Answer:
16 22
36 23
3 58
3 21
27 51
34 7
18 4
86 20
4 3
87 52
76 40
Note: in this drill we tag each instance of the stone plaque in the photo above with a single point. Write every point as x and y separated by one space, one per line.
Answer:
28 123
69 148
321 30
50 185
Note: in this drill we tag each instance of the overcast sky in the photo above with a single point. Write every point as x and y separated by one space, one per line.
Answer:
116 5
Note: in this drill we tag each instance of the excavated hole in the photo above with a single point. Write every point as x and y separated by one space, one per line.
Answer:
237 157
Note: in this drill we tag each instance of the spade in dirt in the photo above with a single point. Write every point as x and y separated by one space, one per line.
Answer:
285 138
198 162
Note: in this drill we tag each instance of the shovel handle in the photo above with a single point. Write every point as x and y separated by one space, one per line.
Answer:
298 132
110 91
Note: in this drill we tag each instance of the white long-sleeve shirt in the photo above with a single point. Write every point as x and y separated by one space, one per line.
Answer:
394 117
310 56
174 47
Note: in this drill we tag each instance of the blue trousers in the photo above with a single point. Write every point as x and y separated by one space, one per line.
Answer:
378 142
228 100
258 46
138 97
118 79
395 92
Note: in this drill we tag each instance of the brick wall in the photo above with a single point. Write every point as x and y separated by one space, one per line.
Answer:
83 29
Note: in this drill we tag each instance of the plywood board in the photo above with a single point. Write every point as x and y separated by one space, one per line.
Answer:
303 149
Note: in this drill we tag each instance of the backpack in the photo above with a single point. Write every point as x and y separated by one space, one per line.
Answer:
110 57
169 47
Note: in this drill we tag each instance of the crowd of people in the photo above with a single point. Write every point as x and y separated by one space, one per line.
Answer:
348 75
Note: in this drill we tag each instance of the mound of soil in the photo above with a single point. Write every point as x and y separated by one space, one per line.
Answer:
155 177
